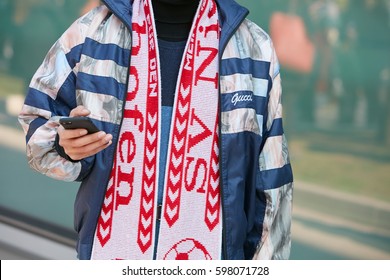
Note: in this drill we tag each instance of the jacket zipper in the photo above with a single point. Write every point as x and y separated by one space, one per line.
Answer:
117 132
224 247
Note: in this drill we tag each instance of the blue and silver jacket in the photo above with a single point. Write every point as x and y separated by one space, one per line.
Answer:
88 66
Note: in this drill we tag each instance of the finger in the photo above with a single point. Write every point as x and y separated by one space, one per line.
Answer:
97 149
90 139
88 150
71 133
79 111
86 143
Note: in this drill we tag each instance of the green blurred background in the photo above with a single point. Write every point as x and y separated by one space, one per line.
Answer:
335 65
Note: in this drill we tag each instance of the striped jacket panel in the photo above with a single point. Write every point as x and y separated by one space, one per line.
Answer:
258 176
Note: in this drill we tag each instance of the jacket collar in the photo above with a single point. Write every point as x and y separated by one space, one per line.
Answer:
231 15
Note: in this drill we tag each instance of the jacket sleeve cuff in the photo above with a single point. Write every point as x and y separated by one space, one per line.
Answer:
86 163
60 150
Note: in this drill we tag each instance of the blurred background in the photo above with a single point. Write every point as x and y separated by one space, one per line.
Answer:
335 59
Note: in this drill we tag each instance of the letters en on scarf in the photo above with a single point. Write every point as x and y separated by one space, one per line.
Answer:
191 224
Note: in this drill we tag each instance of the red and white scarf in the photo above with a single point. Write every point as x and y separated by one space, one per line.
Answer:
191 218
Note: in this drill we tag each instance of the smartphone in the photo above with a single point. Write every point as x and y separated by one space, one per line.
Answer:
79 122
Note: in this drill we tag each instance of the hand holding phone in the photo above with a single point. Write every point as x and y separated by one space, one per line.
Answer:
79 137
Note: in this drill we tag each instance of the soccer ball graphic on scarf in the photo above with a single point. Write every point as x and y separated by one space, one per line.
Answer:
187 249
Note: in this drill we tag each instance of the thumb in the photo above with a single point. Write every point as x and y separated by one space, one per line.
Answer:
79 111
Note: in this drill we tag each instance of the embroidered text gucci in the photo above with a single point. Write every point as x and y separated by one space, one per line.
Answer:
240 98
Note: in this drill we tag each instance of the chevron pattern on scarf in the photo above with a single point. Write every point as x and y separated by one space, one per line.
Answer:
191 220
